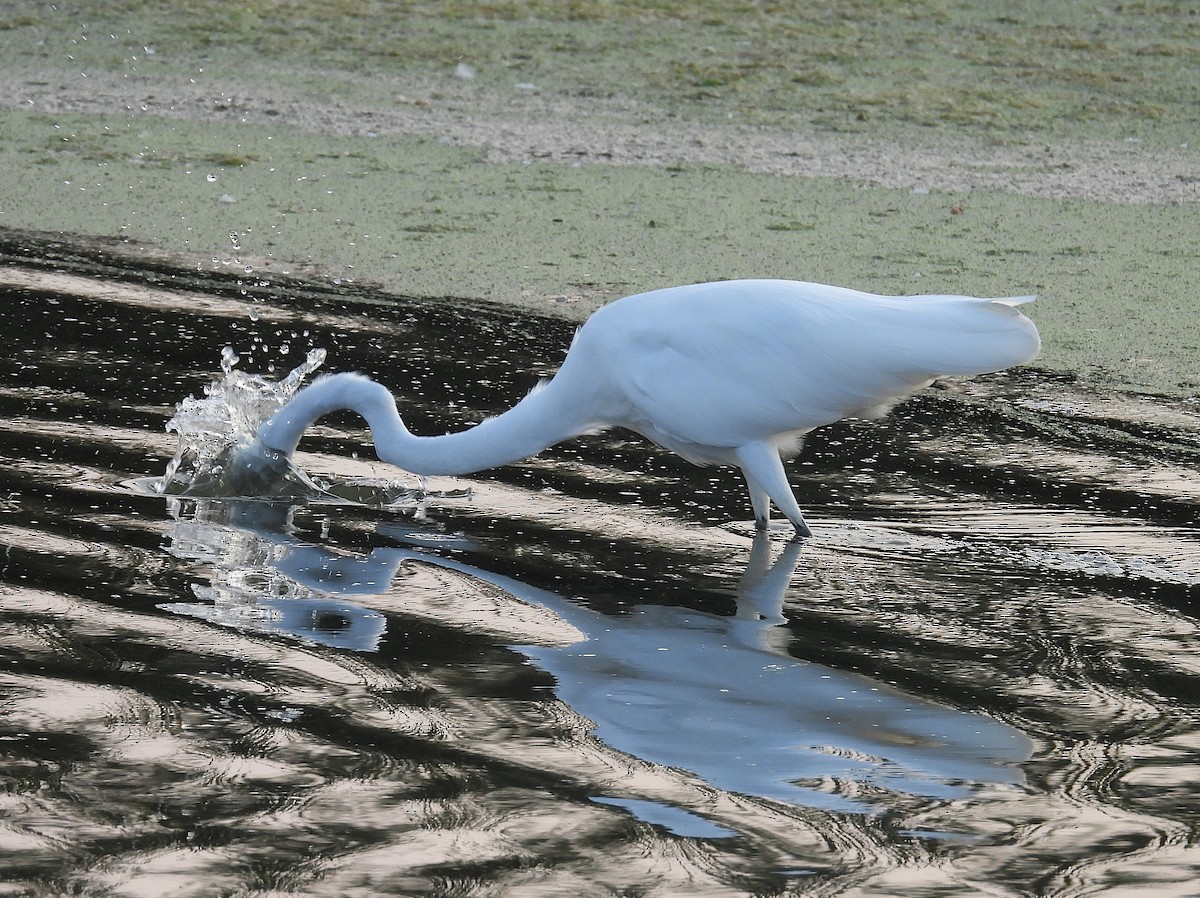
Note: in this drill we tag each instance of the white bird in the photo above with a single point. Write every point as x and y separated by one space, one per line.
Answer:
724 373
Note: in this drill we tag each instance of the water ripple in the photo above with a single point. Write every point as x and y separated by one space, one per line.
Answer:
518 689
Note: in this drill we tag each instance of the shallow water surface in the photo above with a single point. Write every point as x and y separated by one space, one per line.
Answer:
582 674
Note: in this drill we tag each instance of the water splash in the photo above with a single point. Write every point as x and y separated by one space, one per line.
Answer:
222 427
219 454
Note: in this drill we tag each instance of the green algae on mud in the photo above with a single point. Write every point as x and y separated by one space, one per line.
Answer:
419 218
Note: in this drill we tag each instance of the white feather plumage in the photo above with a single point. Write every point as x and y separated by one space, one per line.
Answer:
730 372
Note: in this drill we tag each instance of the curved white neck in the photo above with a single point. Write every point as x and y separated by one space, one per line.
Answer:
538 421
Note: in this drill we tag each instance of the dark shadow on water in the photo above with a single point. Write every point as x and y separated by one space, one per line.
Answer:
979 674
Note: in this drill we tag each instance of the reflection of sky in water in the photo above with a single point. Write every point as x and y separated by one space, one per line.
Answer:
717 696
676 820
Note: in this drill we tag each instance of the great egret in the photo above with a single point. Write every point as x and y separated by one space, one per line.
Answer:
725 373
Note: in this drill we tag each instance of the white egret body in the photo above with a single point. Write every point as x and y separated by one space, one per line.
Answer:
732 372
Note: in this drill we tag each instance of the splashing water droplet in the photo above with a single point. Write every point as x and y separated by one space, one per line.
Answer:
226 420
220 455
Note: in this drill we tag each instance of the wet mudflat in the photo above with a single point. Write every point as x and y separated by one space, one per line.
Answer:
587 676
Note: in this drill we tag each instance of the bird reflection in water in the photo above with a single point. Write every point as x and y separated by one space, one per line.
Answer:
252 581
720 697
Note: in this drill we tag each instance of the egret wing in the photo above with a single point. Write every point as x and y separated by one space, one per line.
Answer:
742 361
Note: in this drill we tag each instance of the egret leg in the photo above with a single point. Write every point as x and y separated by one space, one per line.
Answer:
759 501
763 468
